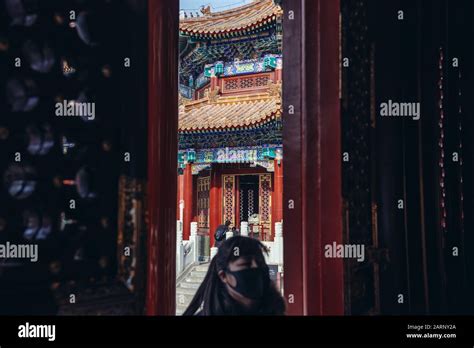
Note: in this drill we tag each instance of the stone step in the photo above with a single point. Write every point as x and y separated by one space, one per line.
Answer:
185 291
185 303
187 288
193 280
184 298
189 285
198 274
180 309
202 268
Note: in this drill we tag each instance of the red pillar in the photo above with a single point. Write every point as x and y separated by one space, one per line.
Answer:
215 203
277 197
188 201
214 83
312 203
162 156
278 75
180 196
325 154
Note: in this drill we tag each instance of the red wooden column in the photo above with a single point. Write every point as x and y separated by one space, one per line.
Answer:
322 112
277 197
162 156
312 201
214 83
180 194
278 75
215 202
188 214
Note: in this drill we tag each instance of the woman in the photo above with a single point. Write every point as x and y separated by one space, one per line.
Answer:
238 283
220 234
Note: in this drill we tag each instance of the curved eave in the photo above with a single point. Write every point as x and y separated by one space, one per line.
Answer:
231 32
252 125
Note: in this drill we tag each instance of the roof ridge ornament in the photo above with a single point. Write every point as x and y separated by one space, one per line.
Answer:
206 10
274 89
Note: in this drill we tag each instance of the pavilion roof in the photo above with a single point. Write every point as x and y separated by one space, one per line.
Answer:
241 19
231 112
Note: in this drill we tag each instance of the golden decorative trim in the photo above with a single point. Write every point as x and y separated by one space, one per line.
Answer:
131 232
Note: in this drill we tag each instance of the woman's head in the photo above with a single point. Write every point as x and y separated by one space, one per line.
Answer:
238 282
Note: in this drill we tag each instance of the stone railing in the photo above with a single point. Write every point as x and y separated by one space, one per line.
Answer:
275 256
275 248
188 251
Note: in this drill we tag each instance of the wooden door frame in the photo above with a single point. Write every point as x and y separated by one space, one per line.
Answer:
163 28
312 146
313 284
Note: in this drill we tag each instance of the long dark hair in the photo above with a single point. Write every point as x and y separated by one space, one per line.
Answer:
212 295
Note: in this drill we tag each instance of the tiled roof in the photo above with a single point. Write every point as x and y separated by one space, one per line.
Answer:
229 112
251 16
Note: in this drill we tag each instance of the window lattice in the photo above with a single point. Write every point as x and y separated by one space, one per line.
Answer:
261 81
231 84
247 82
203 187
229 198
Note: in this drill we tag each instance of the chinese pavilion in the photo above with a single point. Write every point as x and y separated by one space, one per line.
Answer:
230 130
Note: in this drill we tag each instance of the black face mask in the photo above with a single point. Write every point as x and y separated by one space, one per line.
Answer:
249 282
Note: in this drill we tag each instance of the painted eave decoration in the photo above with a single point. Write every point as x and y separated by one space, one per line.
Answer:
254 17
227 113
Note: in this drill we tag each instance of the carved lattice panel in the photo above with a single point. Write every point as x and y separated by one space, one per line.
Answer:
238 84
203 187
231 84
247 82
131 229
265 185
262 81
228 184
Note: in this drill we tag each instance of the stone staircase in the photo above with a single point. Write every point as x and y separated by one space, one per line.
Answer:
187 285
